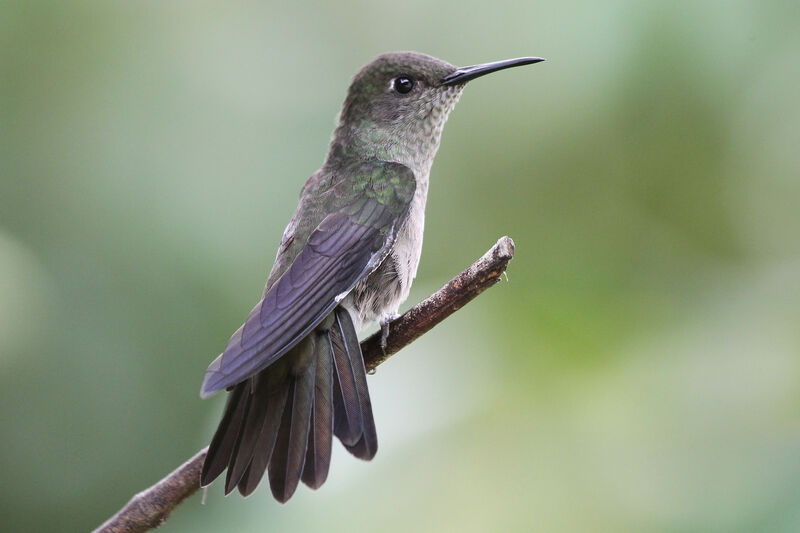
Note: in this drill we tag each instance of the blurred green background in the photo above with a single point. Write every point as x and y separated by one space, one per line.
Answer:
639 371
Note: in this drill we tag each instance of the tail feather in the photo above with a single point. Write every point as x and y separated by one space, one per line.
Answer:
353 420
221 447
282 420
286 463
260 388
248 401
365 448
276 401
249 433
320 436
347 411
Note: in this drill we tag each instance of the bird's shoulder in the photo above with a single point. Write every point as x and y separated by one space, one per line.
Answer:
350 187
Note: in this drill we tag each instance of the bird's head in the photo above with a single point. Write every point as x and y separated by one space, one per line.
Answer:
400 101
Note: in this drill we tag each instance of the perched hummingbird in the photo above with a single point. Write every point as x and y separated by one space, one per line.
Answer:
294 370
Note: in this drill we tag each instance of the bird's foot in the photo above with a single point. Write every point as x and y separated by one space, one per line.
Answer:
384 322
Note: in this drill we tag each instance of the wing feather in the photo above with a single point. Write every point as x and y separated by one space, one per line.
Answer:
345 247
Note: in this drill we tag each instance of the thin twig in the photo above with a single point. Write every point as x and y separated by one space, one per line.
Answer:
151 507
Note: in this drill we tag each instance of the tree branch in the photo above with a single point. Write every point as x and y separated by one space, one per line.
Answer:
151 507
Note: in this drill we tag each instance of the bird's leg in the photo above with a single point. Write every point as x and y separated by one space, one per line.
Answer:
384 322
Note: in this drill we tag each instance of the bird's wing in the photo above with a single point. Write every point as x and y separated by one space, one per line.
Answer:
346 246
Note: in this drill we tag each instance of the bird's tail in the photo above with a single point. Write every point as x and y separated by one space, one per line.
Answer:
282 420
353 422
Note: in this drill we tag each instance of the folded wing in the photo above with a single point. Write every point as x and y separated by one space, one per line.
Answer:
345 247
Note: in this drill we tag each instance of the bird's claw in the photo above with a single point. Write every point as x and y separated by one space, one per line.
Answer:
384 322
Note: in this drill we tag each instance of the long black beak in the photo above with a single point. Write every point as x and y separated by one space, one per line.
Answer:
464 74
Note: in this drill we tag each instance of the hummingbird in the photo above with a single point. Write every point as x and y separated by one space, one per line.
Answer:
294 370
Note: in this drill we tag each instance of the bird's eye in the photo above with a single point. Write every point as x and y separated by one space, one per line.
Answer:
403 84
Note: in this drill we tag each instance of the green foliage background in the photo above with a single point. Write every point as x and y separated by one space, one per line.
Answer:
640 371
